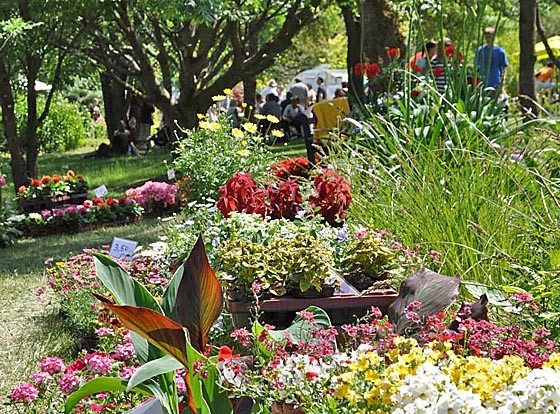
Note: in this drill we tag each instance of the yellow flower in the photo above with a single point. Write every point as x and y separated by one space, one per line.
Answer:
260 116
553 361
272 119
277 133
205 125
244 152
214 126
201 116
237 133
250 127
244 104
60 264
227 91
244 143
218 98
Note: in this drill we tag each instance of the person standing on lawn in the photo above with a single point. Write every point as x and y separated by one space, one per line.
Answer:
491 61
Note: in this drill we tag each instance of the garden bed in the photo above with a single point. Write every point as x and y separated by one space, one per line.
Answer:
41 203
341 308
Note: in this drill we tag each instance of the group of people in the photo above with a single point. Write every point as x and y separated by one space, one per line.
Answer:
295 109
490 60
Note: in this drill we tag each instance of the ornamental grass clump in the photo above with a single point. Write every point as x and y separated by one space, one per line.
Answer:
277 267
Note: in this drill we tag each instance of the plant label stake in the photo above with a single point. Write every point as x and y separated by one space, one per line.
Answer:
171 174
122 248
100 191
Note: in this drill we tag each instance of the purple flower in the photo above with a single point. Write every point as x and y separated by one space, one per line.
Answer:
2 181
58 212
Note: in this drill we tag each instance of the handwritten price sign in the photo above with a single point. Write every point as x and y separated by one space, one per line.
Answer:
123 248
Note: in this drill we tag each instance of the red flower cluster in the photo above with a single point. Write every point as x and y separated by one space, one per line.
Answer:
283 200
393 53
333 195
370 70
450 52
438 72
35 182
294 167
242 194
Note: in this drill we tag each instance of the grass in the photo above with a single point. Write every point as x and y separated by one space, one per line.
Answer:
117 173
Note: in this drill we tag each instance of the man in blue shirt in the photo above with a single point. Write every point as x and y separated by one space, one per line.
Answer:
491 61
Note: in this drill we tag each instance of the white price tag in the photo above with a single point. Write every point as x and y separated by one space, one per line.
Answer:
100 191
122 248
171 174
65 167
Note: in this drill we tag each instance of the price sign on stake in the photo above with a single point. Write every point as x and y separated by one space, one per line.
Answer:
171 174
100 191
122 248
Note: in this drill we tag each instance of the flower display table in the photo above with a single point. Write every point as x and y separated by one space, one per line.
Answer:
341 308
48 202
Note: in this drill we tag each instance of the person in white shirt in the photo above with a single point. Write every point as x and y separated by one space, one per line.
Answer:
272 87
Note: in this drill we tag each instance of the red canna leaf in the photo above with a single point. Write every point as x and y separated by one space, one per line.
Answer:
157 329
199 297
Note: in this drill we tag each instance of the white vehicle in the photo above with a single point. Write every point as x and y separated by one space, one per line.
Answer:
332 78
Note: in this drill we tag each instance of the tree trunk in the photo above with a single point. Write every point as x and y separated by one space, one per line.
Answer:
381 31
9 124
114 101
527 94
354 52
31 143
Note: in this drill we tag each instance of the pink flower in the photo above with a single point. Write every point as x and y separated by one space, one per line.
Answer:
98 363
242 335
40 378
52 365
46 214
25 392
58 212
522 297
104 332
256 287
180 381
310 376
124 352
127 372
71 210
88 204
95 407
308 316
68 382
2 181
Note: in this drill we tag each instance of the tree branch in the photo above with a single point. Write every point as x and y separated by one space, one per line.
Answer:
543 37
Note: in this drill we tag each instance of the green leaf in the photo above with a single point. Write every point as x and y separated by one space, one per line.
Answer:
128 291
170 294
101 384
301 329
199 297
153 368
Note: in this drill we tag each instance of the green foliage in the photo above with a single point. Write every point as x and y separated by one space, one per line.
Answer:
278 266
209 156
65 127
370 254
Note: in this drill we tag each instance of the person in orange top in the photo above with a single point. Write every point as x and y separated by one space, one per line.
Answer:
544 77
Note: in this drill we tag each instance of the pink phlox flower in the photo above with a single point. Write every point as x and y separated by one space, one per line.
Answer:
68 382
52 365
99 363
40 378
25 392
242 335
308 316
124 352
104 331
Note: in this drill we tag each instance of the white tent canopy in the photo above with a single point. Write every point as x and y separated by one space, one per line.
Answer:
333 78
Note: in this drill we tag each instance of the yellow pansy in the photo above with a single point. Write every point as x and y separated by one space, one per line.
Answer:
237 133
272 119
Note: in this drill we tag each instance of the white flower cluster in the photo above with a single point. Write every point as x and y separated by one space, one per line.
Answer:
431 391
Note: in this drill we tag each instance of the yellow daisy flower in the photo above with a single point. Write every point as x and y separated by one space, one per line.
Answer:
237 133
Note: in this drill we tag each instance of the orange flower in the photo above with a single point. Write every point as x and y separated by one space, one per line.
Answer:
55 178
226 353
70 173
22 189
35 182
68 178
80 177
45 180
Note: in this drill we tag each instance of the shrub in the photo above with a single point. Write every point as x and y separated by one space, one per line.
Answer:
213 152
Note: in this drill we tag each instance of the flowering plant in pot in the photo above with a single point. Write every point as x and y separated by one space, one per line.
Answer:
54 186
156 197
